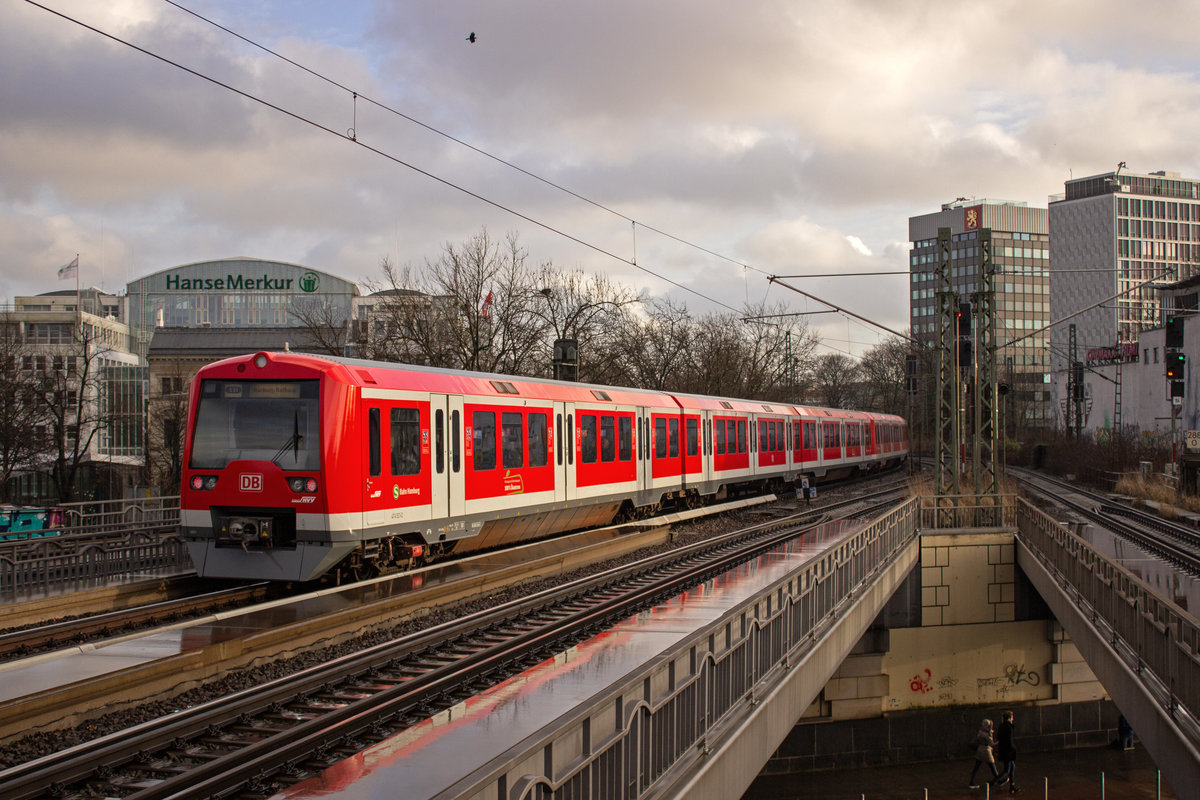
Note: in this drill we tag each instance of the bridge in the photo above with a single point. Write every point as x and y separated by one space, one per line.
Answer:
701 718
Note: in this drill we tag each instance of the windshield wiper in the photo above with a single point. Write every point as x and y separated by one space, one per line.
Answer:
294 441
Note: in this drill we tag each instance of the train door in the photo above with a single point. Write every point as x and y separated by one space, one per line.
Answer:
558 443
565 422
447 456
644 451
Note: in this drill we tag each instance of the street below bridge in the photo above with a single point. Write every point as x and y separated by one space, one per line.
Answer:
1061 775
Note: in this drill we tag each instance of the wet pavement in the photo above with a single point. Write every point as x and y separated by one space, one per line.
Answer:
1063 775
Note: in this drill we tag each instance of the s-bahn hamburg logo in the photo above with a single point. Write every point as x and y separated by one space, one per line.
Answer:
251 482
309 282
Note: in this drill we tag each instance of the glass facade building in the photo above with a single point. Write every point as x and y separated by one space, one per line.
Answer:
1021 257
232 293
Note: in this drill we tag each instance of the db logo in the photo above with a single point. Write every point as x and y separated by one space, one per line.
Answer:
251 482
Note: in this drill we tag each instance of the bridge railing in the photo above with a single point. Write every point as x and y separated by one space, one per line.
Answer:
941 512
1152 634
694 694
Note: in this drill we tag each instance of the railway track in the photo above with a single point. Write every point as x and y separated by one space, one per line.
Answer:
276 734
1178 544
39 638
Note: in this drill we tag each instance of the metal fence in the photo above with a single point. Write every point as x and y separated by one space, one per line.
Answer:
1160 642
48 563
93 541
713 677
942 512
109 516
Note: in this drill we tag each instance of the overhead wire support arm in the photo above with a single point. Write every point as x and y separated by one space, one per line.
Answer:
779 280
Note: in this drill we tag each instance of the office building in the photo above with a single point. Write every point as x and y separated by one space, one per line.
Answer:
1021 259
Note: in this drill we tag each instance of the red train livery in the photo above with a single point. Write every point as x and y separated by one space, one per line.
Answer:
299 466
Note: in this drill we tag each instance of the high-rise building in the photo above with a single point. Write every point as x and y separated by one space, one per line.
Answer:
1021 259
1119 237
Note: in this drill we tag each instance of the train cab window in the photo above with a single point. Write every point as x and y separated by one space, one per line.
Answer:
741 435
608 438
538 455
512 439
439 441
454 441
375 466
624 439
405 428
693 437
660 437
483 424
587 438
673 437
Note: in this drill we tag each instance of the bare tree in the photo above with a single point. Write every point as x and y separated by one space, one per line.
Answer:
883 373
23 416
475 307
834 378
71 394
654 352
590 309
324 325
166 425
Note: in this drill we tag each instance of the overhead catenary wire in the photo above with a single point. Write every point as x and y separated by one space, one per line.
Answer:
377 151
352 136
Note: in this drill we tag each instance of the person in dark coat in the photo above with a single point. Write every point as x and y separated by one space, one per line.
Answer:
983 752
1006 753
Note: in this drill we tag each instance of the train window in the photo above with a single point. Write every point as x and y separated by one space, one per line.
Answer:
376 463
624 439
537 441
810 435
608 438
693 444
719 425
454 440
741 435
779 430
512 439
406 441
439 441
673 441
762 434
483 434
587 438
570 439
558 438
660 437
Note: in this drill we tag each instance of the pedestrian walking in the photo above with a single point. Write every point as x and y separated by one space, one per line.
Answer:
984 744
1006 753
1124 733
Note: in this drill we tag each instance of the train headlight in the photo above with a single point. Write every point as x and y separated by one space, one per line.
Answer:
303 485
204 482
260 361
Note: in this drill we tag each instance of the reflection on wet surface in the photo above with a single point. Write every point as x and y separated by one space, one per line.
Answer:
431 757
1164 578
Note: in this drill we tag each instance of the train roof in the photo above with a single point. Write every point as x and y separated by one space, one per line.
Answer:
392 375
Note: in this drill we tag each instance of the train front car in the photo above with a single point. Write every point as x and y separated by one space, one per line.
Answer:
257 482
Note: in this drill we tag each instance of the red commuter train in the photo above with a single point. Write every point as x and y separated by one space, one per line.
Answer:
301 466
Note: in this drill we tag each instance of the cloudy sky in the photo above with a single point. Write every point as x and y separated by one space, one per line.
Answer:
773 137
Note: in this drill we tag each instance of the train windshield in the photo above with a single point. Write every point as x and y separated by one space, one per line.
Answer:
259 420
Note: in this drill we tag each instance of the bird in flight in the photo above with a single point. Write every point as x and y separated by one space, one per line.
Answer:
471 38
